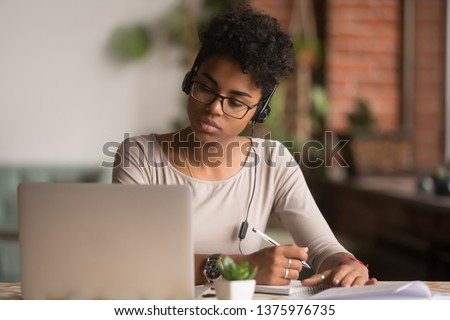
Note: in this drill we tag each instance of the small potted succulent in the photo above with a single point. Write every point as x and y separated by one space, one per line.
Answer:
237 281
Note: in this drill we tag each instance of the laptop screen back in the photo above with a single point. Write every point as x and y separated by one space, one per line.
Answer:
105 241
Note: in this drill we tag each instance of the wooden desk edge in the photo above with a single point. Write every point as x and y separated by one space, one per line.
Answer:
12 290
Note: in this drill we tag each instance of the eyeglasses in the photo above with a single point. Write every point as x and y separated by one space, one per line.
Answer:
230 106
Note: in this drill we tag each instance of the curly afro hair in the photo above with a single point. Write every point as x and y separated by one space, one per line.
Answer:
255 40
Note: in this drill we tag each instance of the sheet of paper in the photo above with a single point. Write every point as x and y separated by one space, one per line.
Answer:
395 290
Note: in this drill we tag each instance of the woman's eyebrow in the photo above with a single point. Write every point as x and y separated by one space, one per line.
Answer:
235 92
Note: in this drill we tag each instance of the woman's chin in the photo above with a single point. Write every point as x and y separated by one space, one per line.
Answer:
203 136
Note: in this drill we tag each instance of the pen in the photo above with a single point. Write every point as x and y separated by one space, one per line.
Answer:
264 236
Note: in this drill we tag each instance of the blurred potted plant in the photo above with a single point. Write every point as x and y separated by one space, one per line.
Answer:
437 182
361 124
361 120
373 152
237 282
442 180
131 42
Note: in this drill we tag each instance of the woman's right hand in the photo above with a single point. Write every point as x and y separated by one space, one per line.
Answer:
277 265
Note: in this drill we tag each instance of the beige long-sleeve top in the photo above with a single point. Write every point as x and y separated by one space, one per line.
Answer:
219 207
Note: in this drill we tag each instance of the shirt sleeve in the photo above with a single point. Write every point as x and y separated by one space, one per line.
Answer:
298 213
130 164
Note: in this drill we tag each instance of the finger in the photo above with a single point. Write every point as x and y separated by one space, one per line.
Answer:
272 277
282 255
295 264
372 281
339 275
289 263
293 251
359 281
290 274
316 279
352 278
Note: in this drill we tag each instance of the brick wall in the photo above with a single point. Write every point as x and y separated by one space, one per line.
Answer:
429 126
280 9
362 53
362 60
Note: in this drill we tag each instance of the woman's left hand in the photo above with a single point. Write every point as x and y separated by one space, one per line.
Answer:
346 274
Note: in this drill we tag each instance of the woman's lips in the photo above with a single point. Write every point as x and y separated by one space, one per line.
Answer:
209 125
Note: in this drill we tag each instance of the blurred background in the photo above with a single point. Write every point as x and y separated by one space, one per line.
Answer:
366 111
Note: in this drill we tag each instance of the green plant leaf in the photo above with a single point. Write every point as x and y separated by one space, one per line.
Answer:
130 42
232 271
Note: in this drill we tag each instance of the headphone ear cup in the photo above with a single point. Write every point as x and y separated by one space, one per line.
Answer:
263 114
187 82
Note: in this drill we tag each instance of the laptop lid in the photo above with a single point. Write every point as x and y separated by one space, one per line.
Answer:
105 241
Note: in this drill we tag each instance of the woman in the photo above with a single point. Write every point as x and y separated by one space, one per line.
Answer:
238 181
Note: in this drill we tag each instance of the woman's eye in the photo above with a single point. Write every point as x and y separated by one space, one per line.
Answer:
236 103
206 89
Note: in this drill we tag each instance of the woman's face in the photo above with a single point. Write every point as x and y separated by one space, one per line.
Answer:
224 76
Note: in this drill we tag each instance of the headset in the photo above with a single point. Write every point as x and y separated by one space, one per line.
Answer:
263 108
261 114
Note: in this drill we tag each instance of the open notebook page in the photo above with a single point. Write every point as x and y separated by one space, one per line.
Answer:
381 291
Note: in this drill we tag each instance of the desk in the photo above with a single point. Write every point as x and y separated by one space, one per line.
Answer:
11 291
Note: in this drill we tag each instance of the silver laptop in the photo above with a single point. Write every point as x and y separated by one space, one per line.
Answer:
105 241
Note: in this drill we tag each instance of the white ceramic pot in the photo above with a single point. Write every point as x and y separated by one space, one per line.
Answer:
235 290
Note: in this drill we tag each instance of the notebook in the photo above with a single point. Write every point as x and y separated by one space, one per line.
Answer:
295 287
381 291
105 241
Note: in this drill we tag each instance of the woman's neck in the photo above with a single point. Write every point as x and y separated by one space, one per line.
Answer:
207 153
211 160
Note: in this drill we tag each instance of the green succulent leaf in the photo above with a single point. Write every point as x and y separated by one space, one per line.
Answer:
232 271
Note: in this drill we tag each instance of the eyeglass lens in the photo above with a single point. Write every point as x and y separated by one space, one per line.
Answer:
230 106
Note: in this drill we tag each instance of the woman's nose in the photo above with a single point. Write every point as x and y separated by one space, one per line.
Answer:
215 106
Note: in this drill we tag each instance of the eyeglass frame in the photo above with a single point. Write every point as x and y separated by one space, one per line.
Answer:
222 98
